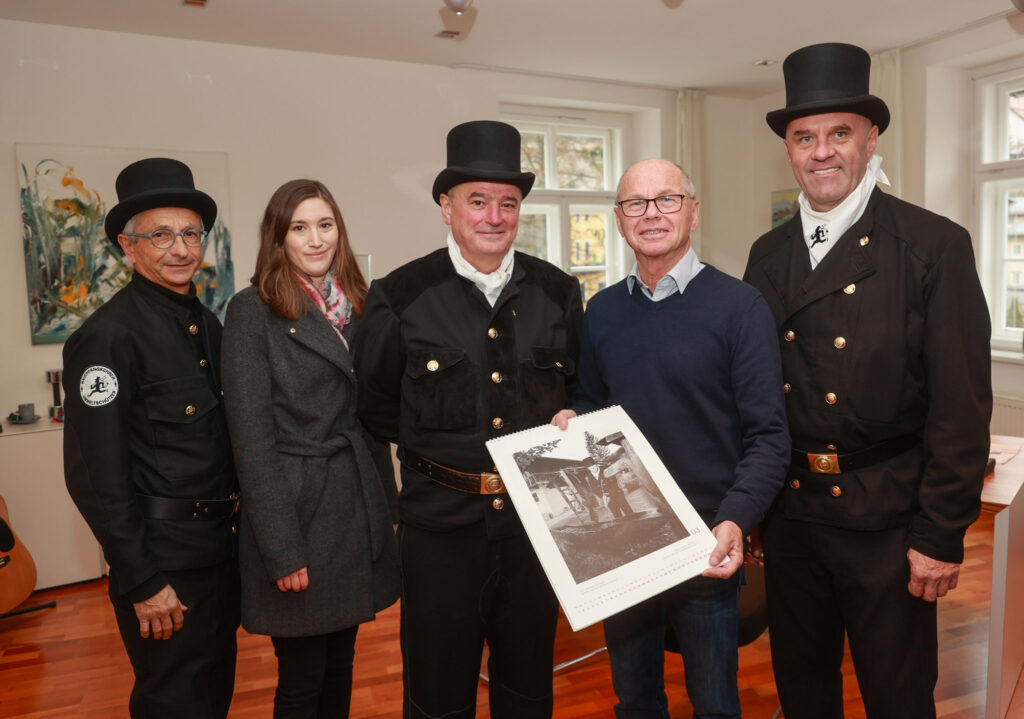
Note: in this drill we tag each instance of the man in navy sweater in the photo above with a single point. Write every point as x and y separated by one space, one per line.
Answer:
690 354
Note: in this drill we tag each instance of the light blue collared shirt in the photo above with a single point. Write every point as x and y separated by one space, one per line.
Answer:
675 280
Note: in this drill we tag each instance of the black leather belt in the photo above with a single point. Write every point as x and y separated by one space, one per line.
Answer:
188 509
834 463
469 482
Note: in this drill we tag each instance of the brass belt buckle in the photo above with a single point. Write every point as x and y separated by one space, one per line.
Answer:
490 483
824 463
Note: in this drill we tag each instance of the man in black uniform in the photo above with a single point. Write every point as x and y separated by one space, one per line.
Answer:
146 452
885 350
471 342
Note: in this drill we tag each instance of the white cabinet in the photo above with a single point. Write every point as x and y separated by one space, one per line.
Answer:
42 514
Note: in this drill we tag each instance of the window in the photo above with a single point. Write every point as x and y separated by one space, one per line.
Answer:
568 218
999 197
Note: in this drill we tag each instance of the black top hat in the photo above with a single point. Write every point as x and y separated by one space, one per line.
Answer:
830 77
483 150
156 182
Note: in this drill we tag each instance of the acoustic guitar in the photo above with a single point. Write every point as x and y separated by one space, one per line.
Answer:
17 570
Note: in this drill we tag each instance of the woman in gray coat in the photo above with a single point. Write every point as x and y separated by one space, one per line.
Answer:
316 547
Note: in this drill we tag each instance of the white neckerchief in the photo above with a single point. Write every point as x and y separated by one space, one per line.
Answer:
830 226
490 284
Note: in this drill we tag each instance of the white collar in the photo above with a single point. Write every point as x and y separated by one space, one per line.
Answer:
491 284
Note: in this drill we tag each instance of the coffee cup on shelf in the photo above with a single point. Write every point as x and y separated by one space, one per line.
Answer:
26 412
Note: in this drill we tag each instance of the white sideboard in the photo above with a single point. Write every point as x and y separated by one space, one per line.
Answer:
41 512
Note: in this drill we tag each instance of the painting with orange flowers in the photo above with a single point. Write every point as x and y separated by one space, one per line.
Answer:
71 268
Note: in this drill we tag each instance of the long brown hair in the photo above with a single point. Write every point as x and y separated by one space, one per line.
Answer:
274 277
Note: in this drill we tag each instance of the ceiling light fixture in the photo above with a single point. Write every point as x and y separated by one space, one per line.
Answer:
764 63
458 6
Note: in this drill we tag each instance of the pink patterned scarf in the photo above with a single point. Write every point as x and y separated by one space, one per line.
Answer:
331 300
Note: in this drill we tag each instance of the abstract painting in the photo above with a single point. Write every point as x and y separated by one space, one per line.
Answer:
71 268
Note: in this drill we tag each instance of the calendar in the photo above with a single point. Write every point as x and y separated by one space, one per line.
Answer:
610 525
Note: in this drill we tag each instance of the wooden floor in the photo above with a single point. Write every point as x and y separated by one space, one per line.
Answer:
68 661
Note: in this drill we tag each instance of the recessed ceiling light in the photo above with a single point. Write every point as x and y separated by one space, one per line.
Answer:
448 34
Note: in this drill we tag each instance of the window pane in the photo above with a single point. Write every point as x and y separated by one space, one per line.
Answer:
1015 294
588 234
581 161
533 235
591 283
1015 125
532 156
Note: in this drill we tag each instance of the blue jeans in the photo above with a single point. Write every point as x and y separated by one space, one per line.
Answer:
702 613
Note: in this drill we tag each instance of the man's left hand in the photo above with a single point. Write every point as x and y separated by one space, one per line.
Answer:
931 578
729 547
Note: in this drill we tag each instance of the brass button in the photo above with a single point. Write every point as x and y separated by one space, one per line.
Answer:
432 365
497 423
190 410
494 484
292 330
831 447
839 342
498 503
794 483
234 529
193 329
496 377
836 490
831 398
203 362
492 333
864 240
786 387
790 335
850 289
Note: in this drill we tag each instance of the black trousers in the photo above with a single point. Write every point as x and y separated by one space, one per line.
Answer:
822 581
314 675
460 590
192 674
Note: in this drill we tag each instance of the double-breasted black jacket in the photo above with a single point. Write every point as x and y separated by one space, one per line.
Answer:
441 372
887 337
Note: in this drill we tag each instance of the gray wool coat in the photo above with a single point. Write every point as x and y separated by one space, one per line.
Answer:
312 495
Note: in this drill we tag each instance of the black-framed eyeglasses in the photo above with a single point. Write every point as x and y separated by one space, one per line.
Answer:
164 237
666 204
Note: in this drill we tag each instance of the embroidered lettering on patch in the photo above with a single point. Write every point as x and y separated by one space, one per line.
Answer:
98 386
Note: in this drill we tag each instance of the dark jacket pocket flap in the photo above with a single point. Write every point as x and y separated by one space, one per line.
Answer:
424 362
554 358
182 400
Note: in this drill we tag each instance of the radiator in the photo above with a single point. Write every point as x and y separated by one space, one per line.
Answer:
1008 415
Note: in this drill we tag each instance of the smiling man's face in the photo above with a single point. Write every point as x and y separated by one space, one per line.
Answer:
829 154
655 236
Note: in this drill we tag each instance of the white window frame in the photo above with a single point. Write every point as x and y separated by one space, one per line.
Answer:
559 203
994 177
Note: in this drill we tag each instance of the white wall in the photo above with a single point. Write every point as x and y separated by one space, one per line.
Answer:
373 131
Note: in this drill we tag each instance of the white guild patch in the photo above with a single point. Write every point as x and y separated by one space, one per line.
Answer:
98 386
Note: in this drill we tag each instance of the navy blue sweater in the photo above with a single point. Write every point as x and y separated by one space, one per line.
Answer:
700 375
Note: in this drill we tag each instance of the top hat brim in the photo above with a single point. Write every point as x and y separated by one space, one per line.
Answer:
871 107
195 200
452 176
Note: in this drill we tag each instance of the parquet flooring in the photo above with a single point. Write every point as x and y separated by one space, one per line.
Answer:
68 661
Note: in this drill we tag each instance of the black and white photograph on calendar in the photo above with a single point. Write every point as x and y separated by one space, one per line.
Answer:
602 509
610 525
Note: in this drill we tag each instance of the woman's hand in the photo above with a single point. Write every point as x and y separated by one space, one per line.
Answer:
297 581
